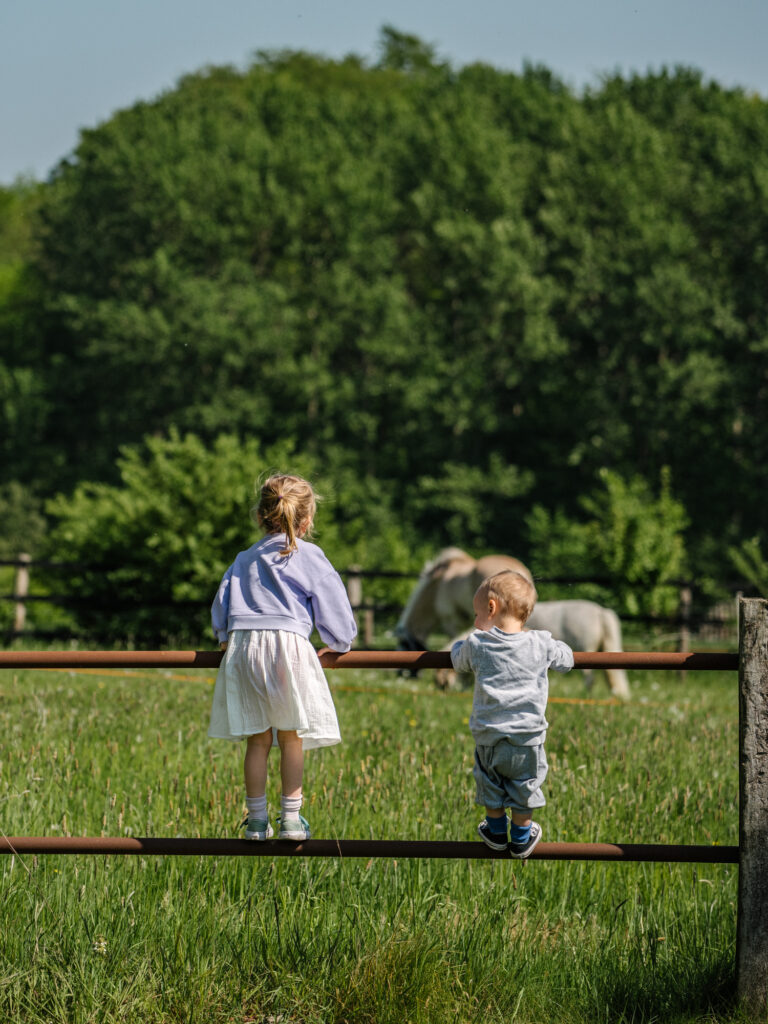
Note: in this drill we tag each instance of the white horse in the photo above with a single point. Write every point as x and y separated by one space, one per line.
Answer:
441 602
583 625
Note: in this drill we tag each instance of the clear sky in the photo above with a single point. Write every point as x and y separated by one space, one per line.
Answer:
69 64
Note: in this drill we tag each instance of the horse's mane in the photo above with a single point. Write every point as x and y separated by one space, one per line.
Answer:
423 616
443 558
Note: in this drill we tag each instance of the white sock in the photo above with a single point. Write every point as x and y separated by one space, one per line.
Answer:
290 805
257 806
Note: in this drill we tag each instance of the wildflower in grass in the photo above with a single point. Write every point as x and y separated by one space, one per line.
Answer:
100 946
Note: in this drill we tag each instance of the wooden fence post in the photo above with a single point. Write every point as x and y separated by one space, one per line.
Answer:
355 591
684 614
752 922
20 591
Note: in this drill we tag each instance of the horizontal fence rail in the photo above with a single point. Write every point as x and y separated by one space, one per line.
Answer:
395 849
679 660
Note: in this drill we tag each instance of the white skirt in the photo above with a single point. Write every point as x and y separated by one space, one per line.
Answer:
271 678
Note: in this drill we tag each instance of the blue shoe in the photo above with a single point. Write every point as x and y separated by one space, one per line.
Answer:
522 850
496 840
258 828
294 828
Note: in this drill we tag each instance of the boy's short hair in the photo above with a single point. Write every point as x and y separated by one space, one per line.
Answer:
515 593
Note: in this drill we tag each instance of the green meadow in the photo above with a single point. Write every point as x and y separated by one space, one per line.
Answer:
205 940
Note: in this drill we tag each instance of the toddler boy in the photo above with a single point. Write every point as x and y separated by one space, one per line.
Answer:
509 704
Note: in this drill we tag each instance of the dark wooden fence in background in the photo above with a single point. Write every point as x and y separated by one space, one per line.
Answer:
693 614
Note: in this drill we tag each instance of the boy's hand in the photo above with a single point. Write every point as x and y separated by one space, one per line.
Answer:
223 645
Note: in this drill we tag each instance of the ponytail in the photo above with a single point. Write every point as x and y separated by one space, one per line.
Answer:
284 504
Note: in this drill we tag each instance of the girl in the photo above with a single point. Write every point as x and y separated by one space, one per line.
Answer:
270 686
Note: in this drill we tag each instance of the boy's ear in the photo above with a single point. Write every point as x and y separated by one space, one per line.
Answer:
493 606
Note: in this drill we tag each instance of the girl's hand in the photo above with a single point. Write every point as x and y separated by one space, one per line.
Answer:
223 645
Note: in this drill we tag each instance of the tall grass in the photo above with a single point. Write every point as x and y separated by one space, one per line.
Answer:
193 939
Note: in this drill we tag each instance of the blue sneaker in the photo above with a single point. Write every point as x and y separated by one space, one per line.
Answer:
294 828
258 828
522 850
496 840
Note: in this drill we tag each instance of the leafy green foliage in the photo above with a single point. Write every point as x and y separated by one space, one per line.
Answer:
752 564
22 524
182 511
467 290
634 539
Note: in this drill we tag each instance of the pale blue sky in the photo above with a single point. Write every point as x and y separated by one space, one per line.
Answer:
69 64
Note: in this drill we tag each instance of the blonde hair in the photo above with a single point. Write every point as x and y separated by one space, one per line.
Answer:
284 504
514 593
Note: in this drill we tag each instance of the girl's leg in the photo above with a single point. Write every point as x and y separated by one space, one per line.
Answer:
291 762
292 825
255 767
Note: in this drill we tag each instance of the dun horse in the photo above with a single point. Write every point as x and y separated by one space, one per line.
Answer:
441 602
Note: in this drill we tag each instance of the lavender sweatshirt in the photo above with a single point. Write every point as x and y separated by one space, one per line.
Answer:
263 589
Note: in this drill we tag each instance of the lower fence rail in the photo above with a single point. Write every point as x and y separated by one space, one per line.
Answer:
395 849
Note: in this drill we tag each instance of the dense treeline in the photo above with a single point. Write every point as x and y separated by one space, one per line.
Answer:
460 294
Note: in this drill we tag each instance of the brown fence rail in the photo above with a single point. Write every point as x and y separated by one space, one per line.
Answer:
689 661
396 849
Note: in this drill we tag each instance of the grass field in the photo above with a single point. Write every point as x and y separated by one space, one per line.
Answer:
210 940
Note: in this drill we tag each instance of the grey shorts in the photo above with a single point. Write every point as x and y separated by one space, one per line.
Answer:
507 775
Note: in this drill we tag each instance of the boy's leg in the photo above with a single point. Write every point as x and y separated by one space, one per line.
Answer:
520 827
522 820
526 795
494 812
490 794
493 829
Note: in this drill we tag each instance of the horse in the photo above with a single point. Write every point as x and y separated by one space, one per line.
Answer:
442 602
583 625
442 598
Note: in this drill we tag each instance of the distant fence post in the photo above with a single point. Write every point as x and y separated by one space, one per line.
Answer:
355 595
684 613
20 591
752 923
355 590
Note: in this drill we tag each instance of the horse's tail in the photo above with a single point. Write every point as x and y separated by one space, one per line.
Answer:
611 641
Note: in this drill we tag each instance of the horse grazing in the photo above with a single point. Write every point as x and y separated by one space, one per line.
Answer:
442 602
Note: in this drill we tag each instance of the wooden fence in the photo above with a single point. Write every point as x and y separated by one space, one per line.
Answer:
688 619
751 854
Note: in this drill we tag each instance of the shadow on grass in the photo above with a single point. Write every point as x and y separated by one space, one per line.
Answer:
659 995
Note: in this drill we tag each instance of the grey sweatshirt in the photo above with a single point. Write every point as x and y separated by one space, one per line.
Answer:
511 683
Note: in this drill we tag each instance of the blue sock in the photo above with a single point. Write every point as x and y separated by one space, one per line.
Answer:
497 825
519 833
